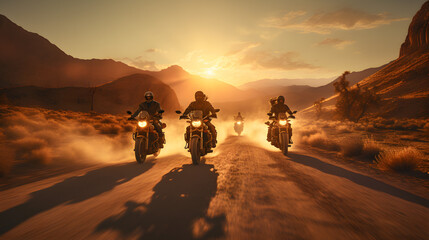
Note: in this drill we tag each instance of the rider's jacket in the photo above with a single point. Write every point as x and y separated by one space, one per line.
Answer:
238 118
151 107
280 108
204 106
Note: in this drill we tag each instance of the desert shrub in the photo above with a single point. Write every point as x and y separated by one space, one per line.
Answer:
320 140
371 149
404 159
426 127
6 159
352 147
33 150
343 129
109 129
308 131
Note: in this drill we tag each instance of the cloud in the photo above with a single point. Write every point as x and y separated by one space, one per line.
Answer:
335 42
241 47
326 22
141 63
274 60
154 50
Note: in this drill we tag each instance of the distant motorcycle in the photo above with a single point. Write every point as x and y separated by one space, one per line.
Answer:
147 139
280 134
238 126
198 137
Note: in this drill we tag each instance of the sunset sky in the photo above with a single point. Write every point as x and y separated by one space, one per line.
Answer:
233 40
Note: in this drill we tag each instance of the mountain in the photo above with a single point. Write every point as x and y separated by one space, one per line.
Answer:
115 97
29 59
404 83
302 96
264 83
186 84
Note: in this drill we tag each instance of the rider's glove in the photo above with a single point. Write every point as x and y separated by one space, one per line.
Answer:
130 118
182 117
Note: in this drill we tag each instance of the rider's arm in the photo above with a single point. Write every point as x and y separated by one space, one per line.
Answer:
288 110
211 109
188 109
158 107
136 112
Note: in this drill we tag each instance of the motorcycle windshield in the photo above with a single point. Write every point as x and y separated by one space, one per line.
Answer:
282 116
143 115
197 114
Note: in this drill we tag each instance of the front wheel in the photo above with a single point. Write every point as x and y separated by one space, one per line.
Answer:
194 147
140 149
284 143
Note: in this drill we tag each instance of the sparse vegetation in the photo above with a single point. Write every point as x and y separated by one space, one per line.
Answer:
371 149
320 140
353 102
318 106
41 136
403 159
351 147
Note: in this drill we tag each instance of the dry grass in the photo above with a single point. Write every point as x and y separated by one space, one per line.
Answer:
404 159
6 162
351 147
320 140
371 149
42 136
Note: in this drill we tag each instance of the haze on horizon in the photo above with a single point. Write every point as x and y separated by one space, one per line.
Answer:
233 41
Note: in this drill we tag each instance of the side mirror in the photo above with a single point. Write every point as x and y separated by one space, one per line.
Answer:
129 112
294 112
217 110
161 111
178 112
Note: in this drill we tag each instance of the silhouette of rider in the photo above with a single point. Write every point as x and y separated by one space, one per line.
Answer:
238 117
202 104
153 108
279 107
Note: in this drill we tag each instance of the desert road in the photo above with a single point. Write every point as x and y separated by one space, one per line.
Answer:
242 191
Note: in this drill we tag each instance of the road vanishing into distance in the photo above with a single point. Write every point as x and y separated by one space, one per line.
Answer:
242 191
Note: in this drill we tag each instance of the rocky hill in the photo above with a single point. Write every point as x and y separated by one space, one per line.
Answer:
115 97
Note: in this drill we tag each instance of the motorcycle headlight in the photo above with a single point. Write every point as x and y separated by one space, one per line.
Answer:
282 122
196 123
142 124
239 123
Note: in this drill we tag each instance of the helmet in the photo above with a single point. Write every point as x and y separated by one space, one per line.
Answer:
148 95
199 96
281 99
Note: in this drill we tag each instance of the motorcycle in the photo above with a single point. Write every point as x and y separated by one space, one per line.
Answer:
147 139
280 131
198 137
238 126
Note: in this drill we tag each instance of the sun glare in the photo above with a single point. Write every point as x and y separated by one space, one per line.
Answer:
210 72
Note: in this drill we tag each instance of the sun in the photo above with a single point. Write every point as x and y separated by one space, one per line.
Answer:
210 72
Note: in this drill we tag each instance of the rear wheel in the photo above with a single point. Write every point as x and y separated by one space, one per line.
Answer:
284 143
140 149
194 146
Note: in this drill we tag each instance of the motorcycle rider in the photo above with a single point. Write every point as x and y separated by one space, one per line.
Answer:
238 117
279 106
153 108
202 104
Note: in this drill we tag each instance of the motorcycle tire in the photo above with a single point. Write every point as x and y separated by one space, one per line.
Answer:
140 149
194 147
284 143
